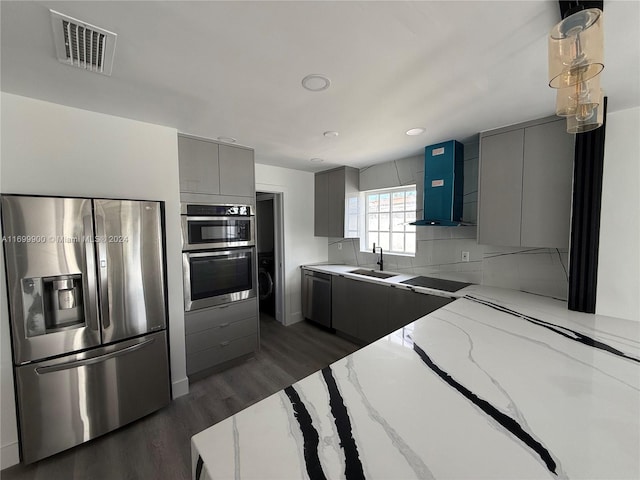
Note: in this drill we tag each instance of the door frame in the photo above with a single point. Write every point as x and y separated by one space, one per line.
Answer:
278 247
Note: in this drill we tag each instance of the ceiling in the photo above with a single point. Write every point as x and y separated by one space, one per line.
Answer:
234 69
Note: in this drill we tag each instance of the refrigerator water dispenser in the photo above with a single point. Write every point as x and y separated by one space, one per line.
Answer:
63 302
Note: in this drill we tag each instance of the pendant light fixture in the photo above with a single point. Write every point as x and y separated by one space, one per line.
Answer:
576 59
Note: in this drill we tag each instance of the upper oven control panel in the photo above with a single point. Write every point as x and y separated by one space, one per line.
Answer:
202 210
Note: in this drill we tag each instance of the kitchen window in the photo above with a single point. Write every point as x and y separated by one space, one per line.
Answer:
388 214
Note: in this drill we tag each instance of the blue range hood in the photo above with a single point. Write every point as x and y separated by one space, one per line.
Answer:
443 184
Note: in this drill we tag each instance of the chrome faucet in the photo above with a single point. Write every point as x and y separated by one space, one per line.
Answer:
380 261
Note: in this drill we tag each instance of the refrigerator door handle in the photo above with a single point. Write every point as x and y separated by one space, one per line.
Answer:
102 271
90 272
93 360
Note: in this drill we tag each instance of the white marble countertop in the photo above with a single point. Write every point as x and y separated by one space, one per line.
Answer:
498 384
396 280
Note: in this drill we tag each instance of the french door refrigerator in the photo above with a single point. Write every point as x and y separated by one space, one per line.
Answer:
86 293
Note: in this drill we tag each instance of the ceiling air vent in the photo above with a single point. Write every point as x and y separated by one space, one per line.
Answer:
82 45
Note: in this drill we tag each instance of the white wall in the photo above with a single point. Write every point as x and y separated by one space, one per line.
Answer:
300 246
618 293
51 149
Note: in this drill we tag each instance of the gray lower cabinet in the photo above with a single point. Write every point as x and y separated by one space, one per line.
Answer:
360 309
525 184
220 334
406 306
368 311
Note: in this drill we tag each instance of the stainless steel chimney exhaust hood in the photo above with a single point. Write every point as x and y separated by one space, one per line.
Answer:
443 184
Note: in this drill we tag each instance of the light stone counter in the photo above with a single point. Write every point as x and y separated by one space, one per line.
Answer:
498 384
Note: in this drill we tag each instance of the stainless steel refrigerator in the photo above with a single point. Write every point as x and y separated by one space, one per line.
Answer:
87 308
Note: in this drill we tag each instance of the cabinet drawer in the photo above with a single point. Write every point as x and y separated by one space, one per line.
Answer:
221 353
221 334
207 318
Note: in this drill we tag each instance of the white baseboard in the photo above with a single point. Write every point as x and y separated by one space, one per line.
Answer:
9 455
180 387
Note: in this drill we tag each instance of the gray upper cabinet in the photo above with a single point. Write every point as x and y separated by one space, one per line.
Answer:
546 185
525 182
500 189
199 166
216 169
321 202
237 175
331 190
337 192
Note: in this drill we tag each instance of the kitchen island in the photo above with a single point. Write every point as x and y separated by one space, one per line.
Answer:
498 384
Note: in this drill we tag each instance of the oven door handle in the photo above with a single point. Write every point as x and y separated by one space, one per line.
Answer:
186 274
229 252
224 219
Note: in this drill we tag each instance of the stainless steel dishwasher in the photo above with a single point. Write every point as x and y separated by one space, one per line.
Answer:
316 297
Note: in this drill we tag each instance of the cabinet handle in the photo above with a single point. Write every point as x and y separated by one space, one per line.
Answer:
225 343
222 325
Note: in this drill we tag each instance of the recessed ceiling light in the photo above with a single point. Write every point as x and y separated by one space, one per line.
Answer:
416 131
227 139
317 160
331 133
316 82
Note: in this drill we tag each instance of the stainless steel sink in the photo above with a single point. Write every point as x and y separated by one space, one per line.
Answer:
373 273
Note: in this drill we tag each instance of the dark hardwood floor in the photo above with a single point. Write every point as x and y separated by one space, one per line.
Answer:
158 446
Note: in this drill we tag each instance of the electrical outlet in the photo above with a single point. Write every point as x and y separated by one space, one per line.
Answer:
339 246
465 256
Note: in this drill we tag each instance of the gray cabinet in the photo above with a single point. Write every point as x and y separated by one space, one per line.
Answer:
500 190
237 175
525 182
344 313
321 205
367 311
220 334
331 190
360 309
207 167
406 306
199 166
547 180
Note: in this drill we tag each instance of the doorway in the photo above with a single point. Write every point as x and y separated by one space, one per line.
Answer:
269 243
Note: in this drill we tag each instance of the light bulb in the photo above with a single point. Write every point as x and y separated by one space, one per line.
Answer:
584 111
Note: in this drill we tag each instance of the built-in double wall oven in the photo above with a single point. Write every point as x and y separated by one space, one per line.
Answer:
218 254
